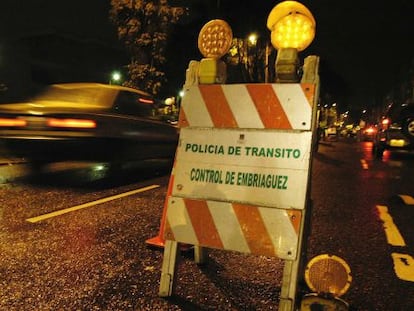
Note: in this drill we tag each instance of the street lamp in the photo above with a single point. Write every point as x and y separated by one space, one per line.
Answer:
292 29
252 39
252 55
115 77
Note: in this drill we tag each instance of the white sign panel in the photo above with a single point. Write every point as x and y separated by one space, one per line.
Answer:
267 168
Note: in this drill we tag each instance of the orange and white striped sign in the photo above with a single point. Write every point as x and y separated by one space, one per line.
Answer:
258 106
242 168
233 226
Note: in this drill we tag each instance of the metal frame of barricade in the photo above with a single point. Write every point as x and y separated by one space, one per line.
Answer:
292 268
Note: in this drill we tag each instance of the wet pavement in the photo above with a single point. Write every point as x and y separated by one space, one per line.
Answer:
97 259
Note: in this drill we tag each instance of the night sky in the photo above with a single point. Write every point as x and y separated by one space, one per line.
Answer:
363 45
85 18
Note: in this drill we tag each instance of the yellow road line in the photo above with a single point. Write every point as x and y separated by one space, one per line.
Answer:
403 266
89 204
392 233
408 200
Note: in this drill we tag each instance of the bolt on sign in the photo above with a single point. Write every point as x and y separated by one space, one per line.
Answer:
240 179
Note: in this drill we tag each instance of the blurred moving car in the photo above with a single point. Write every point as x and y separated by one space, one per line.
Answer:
396 130
87 121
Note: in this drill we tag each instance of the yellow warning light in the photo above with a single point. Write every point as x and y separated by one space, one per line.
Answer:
292 26
215 39
328 274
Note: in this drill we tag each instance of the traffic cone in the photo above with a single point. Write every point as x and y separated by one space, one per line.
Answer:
159 241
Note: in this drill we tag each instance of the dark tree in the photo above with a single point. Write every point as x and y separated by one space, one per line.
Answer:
144 26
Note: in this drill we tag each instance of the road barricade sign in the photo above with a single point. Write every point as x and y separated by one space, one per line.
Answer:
240 179
241 173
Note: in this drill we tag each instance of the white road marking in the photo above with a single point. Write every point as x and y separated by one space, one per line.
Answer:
391 231
89 204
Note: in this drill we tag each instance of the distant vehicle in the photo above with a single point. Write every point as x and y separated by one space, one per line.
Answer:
331 133
396 130
87 121
368 133
350 130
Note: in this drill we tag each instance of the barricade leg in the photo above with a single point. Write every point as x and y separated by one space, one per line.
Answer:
200 255
292 270
288 291
169 265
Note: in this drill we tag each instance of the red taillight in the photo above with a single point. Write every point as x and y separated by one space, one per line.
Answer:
12 122
71 123
146 100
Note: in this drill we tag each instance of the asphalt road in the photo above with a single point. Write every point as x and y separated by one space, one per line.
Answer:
92 254
348 187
